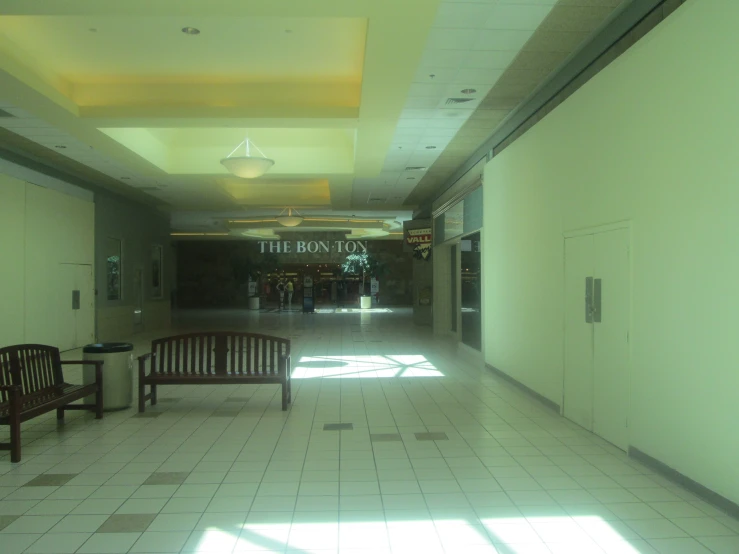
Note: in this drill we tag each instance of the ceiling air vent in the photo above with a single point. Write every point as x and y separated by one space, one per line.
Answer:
458 100
375 200
3 113
415 168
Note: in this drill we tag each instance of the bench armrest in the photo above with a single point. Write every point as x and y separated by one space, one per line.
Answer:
98 367
142 364
11 388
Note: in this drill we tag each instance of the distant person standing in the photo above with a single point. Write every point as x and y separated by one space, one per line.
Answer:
281 291
290 289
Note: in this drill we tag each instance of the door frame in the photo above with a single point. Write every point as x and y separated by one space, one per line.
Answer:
595 230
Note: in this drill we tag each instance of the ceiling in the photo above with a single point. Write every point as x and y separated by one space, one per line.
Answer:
364 105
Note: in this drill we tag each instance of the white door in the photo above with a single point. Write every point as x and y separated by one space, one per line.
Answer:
66 320
85 314
611 337
76 306
578 384
597 308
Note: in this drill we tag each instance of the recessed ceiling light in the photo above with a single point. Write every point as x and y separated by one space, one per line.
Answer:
468 91
190 31
431 148
411 178
60 146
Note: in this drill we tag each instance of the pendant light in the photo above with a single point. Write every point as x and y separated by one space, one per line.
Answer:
248 166
289 220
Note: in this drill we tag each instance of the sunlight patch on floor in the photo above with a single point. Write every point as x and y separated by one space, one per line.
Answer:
364 367
492 535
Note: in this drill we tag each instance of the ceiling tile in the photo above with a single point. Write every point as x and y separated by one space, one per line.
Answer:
413 123
434 75
499 39
483 76
443 58
421 102
425 89
462 15
488 59
523 17
411 113
450 39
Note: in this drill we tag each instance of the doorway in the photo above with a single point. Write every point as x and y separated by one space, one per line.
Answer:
597 312
76 307
471 290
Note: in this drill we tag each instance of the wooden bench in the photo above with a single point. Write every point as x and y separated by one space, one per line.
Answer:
215 358
32 383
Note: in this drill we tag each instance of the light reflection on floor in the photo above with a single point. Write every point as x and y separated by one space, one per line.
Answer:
364 367
586 535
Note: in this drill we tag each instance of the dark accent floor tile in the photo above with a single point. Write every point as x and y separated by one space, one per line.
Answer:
127 523
7 520
431 437
237 399
169 399
385 437
51 480
167 478
148 414
338 426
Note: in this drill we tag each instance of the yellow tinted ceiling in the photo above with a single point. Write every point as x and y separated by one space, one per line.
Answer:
323 99
126 49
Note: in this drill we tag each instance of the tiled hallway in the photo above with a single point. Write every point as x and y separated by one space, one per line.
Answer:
433 455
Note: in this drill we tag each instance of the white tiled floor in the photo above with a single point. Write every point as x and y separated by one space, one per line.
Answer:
512 478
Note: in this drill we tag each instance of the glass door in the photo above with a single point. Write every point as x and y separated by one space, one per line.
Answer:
471 281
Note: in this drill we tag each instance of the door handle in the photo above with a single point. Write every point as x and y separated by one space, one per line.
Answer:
588 300
597 305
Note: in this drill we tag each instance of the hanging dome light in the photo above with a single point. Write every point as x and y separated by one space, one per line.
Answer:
248 166
289 220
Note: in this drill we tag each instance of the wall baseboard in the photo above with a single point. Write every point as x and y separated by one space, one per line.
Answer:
531 392
712 497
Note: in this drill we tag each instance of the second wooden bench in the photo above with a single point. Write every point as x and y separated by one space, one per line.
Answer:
215 358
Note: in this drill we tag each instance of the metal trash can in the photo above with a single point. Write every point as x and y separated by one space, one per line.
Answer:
117 373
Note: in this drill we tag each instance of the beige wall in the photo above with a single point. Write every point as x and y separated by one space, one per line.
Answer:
651 139
12 260
39 229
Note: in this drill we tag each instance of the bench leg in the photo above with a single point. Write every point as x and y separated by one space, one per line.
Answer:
15 440
142 397
60 414
99 403
153 395
289 391
284 395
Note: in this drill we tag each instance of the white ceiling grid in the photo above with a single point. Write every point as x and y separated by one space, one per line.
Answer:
469 47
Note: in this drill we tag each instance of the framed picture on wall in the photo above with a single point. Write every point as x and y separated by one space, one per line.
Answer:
113 263
157 288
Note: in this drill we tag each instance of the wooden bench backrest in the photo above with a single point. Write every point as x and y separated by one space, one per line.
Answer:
33 366
218 353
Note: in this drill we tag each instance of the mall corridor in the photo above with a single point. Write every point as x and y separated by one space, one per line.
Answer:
435 454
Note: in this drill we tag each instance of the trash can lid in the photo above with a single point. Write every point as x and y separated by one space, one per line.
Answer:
107 347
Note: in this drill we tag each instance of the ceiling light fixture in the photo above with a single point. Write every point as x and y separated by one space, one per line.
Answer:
431 148
468 91
191 31
60 146
289 220
248 166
